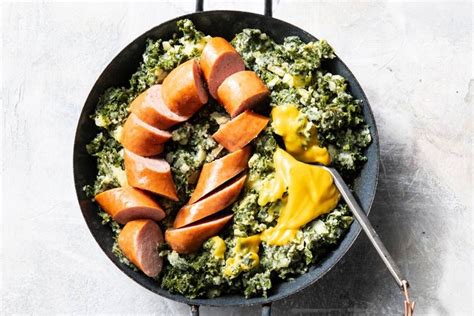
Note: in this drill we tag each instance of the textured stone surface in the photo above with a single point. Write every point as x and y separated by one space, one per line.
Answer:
414 61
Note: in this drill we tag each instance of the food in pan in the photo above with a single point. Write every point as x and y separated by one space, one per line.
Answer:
214 174
212 143
188 239
211 204
142 138
138 240
150 174
150 108
124 204
183 90
241 130
219 60
241 91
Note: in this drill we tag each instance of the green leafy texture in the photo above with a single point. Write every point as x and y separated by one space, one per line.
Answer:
161 57
194 275
249 217
115 227
112 109
110 166
311 242
292 70
192 145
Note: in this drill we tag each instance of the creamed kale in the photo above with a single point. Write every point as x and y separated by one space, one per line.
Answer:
294 72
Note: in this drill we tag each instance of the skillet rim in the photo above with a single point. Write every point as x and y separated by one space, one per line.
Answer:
237 300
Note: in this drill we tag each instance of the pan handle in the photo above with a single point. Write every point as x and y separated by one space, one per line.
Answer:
194 310
199 5
267 309
267 8
268 12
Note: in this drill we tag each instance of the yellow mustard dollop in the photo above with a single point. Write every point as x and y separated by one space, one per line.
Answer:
245 256
288 122
218 247
311 193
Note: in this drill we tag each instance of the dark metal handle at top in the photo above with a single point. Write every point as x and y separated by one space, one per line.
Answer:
267 8
194 310
266 310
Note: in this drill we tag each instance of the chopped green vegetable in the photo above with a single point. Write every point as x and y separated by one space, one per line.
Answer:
194 275
112 109
294 72
192 145
110 169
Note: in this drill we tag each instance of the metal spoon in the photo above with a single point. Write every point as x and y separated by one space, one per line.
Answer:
374 238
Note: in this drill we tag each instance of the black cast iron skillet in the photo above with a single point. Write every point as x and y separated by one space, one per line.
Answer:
117 73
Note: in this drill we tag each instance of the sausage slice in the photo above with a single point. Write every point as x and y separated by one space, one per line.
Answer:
219 171
150 174
127 204
241 130
142 138
183 89
151 109
189 239
241 91
139 241
209 205
219 60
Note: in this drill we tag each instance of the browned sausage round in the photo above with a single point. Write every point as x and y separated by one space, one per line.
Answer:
150 174
127 204
241 130
209 205
183 90
219 171
139 241
189 239
151 109
141 138
241 91
219 60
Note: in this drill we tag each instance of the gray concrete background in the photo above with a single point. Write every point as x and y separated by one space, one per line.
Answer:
414 61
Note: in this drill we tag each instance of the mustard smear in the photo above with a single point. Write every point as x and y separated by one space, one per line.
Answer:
245 256
311 193
288 122
219 247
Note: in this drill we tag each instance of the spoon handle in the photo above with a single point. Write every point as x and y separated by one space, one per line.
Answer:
367 227
374 238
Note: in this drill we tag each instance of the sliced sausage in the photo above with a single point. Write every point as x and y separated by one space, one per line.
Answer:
151 109
219 60
139 241
241 91
183 90
142 138
241 130
210 205
219 171
150 174
127 204
189 239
